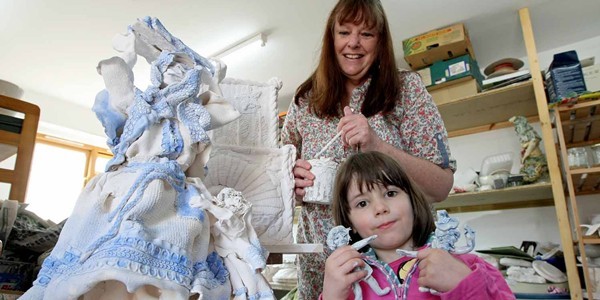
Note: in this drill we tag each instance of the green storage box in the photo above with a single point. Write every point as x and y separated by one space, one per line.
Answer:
447 70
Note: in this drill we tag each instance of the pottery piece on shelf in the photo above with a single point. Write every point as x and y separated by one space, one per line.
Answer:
548 271
534 166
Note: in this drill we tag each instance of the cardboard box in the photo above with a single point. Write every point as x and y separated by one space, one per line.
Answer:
454 90
447 70
564 77
591 76
440 44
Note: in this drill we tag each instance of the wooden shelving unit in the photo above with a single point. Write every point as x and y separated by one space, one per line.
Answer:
491 110
533 195
576 126
23 142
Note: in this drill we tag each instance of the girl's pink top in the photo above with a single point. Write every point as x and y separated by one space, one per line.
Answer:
485 282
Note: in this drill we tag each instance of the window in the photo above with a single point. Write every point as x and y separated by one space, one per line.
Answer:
59 170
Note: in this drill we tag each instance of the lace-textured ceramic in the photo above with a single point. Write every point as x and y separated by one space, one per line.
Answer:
264 176
321 191
143 229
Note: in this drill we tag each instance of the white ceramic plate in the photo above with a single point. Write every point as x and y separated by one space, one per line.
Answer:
548 271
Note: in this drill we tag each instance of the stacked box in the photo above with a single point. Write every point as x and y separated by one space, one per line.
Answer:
455 90
564 77
444 71
440 44
452 79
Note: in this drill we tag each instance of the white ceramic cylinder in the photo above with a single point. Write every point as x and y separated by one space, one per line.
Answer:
321 191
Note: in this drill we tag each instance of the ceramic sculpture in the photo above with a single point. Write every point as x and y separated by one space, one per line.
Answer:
145 229
339 236
321 191
534 166
257 126
264 176
445 236
237 243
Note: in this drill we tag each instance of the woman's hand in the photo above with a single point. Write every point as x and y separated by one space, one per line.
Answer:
303 177
340 273
357 132
439 270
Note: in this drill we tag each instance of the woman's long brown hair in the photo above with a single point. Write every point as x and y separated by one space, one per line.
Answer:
326 86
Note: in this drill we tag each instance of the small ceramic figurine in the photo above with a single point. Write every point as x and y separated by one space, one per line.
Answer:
447 234
534 165
445 237
340 236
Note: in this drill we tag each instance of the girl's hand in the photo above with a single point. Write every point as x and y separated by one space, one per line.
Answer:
303 177
357 131
340 273
439 270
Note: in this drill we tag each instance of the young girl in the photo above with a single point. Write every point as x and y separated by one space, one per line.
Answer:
373 196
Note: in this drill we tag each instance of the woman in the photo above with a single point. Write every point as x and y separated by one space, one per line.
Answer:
357 89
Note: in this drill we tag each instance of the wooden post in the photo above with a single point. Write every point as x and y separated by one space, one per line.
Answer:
560 203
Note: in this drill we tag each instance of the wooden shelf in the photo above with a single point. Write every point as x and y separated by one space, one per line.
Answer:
533 195
578 125
10 292
489 110
282 286
581 123
586 180
295 248
591 240
581 127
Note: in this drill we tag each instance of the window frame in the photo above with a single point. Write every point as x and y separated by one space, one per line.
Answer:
91 152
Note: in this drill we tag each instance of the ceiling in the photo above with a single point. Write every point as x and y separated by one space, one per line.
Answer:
52 47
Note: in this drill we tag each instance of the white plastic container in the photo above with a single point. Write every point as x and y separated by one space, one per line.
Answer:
497 163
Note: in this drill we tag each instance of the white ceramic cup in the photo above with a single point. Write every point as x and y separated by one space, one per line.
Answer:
321 191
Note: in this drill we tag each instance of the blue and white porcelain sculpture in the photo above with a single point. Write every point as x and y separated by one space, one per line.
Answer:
147 228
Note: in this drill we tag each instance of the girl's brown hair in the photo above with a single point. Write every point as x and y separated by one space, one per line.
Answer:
368 169
326 87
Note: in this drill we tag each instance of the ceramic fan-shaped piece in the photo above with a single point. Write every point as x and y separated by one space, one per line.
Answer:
321 191
265 178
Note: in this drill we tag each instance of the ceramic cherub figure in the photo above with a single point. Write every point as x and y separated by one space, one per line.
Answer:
237 243
534 165
340 236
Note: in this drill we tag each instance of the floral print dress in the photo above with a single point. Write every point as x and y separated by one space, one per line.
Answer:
415 126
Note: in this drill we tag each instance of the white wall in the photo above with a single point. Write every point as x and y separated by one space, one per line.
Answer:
586 48
65 119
